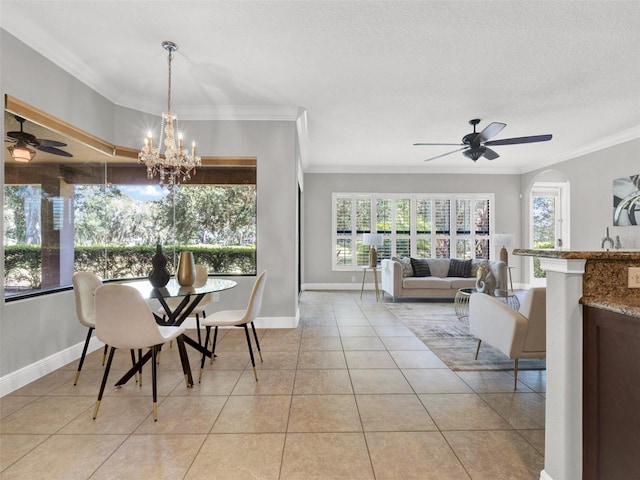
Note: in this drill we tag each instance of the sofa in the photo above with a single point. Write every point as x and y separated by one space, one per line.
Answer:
441 277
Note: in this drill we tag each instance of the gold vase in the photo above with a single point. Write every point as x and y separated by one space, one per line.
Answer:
186 269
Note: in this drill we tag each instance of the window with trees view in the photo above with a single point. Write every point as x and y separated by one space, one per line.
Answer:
113 229
416 225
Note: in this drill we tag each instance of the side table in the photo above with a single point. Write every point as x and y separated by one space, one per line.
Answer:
461 302
375 280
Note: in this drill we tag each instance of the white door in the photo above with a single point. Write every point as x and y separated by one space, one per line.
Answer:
548 224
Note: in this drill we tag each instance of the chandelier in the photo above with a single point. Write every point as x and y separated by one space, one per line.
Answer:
176 164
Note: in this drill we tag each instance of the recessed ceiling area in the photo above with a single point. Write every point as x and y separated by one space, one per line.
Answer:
81 152
366 79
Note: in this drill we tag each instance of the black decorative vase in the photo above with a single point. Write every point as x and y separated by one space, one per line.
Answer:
159 275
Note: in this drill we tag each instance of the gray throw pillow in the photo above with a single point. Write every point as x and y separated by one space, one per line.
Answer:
459 268
420 267
405 262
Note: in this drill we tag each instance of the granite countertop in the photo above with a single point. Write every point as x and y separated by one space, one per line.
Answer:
605 277
624 306
578 254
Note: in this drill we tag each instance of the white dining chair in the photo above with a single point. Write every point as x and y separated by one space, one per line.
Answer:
124 320
237 318
84 284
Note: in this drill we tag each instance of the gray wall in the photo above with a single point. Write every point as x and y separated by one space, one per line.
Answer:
31 330
317 209
590 180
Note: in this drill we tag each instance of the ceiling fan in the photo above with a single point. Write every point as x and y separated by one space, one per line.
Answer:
24 140
475 145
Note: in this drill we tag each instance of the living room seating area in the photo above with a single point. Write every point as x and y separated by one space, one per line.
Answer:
439 277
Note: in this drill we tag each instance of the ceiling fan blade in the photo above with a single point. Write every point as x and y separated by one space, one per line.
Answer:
490 131
24 136
439 144
515 141
53 150
51 143
490 154
445 154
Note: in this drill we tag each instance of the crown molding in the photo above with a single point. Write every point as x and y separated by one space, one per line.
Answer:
351 169
606 142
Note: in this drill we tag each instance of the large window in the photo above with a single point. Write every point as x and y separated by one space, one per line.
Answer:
100 213
417 225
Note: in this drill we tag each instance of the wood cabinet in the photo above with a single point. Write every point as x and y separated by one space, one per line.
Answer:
611 395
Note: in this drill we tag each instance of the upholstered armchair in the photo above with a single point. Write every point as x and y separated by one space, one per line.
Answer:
517 334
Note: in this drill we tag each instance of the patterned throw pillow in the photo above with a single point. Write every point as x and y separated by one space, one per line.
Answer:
405 262
420 267
459 268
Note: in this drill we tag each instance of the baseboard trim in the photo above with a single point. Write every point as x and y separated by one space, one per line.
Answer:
337 286
36 370
545 476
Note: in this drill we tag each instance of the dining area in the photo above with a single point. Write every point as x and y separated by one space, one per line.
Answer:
122 315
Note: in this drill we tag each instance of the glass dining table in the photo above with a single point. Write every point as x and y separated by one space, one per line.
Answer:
191 297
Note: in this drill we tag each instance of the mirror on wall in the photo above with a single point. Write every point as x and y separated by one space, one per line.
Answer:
83 204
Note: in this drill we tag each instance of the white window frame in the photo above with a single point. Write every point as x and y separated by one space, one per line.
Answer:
413 236
562 239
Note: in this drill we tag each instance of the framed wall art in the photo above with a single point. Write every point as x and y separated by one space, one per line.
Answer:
626 201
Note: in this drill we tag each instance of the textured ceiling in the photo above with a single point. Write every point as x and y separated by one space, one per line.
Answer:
370 78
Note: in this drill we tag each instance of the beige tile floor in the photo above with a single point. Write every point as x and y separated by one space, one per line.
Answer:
349 394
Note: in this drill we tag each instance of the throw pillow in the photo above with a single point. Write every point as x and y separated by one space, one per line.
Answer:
405 262
459 268
420 267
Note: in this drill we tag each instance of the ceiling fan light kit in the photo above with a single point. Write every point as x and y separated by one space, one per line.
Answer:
475 144
20 152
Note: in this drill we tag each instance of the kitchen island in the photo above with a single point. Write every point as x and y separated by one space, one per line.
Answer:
597 280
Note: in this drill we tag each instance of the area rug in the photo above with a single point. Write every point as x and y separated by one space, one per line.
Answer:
438 327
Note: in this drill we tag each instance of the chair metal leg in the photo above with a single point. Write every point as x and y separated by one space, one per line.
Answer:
515 373
198 329
104 382
213 347
104 354
140 369
253 362
478 348
154 386
255 335
204 356
133 362
84 354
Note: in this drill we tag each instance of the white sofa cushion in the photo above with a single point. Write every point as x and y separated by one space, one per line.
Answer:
457 282
426 282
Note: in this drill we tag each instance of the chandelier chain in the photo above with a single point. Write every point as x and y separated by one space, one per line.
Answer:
169 84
